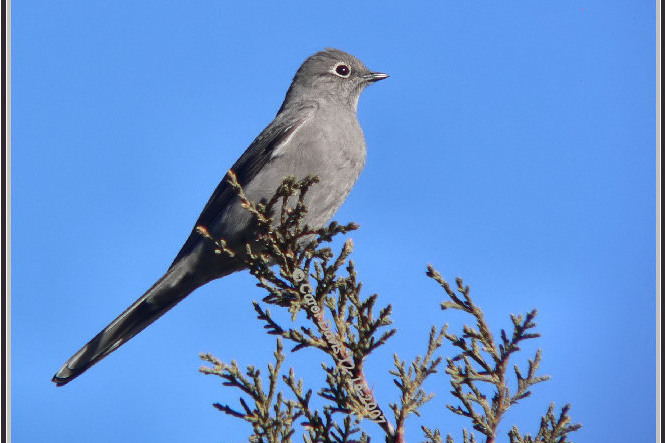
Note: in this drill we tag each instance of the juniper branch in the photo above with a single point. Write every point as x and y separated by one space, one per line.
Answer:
410 381
352 332
471 367
552 429
292 263
270 422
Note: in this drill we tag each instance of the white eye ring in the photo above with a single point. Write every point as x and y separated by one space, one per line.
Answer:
341 69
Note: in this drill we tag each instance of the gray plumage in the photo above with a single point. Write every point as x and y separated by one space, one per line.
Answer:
315 132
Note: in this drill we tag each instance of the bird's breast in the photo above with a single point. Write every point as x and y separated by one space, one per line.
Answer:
329 145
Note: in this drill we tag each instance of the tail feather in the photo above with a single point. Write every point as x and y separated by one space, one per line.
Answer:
162 296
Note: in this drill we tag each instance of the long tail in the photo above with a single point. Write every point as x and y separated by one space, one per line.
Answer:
174 286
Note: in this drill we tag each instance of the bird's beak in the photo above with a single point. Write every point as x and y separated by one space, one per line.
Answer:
374 77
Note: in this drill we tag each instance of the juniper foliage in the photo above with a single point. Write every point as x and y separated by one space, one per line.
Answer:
300 272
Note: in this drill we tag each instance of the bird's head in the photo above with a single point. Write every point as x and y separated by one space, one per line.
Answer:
331 75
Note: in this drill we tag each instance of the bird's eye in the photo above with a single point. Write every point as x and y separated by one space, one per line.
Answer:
342 70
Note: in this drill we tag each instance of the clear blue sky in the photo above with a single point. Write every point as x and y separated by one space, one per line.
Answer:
513 145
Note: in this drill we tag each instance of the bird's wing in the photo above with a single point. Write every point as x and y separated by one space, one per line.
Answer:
256 156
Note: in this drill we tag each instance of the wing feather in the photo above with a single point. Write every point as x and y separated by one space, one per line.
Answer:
257 155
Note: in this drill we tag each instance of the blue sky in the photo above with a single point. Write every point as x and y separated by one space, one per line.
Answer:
513 145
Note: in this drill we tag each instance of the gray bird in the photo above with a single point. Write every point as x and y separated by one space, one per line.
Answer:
315 132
